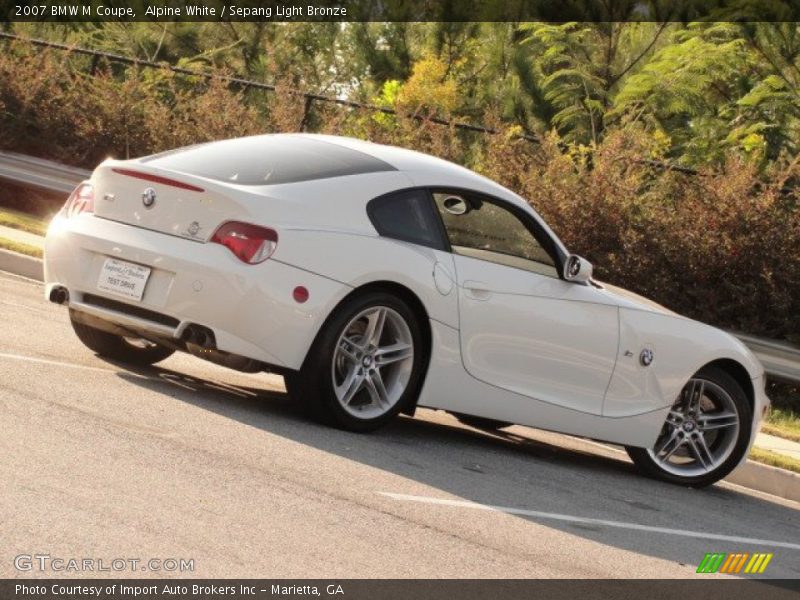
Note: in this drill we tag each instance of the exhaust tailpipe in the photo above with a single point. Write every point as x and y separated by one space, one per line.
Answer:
201 342
199 336
59 295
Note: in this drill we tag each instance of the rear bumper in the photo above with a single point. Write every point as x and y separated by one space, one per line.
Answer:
250 308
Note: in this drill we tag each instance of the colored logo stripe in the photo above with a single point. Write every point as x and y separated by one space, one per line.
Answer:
758 563
734 563
711 562
720 562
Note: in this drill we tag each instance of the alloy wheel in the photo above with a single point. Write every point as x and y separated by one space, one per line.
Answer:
700 432
372 362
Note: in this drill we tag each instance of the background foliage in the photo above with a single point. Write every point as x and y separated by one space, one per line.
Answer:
579 110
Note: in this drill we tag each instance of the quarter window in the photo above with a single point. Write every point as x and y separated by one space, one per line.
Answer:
482 228
407 216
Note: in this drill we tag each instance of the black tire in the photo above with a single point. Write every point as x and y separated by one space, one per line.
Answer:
482 422
118 348
647 465
291 382
313 384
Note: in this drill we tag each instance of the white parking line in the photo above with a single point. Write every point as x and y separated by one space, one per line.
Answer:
589 521
54 363
19 305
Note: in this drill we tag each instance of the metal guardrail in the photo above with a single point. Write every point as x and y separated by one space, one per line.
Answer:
40 173
780 360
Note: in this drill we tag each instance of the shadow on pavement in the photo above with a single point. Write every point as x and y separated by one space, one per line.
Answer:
516 470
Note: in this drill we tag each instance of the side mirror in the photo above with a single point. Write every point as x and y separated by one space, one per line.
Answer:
455 205
577 269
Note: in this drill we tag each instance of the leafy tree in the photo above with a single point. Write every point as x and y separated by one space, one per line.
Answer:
700 89
580 68
722 85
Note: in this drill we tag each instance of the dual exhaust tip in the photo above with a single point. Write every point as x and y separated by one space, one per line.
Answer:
199 336
193 334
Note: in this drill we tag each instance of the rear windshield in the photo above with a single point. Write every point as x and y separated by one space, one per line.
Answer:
268 160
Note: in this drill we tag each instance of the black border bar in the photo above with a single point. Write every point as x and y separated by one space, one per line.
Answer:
396 589
558 11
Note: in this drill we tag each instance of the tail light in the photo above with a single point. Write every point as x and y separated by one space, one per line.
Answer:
250 243
80 201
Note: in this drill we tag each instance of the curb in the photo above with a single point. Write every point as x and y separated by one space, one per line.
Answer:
767 479
751 475
22 264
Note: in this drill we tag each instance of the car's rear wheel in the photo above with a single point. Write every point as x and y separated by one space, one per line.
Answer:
134 351
706 433
365 365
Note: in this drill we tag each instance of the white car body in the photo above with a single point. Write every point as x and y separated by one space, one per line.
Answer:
506 344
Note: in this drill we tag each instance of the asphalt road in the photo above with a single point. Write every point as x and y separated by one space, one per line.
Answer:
191 461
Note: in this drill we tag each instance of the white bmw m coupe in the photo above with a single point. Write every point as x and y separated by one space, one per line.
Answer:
376 280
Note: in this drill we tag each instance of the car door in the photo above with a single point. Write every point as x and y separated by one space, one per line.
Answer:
522 327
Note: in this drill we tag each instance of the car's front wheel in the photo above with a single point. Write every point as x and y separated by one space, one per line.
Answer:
705 435
128 350
365 365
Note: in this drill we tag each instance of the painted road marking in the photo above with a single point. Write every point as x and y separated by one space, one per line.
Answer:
588 521
168 378
54 363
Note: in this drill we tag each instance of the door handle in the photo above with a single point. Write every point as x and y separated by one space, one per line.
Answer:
477 290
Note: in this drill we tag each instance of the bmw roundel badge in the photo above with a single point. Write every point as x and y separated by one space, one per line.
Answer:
149 197
646 357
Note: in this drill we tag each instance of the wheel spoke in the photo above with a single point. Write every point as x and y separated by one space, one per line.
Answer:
393 353
374 384
350 386
344 349
374 330
670 445
701 451
694 394
718 420
675 417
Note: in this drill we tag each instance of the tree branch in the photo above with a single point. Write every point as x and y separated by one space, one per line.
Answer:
652 43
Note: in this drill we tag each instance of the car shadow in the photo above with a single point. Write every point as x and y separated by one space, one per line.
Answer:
517 469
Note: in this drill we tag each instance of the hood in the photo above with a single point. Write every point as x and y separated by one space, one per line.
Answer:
628 299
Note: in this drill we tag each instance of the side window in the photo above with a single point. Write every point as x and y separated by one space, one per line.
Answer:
407 216
483 228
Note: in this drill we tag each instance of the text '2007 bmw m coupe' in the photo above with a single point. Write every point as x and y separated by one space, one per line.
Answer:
376 280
